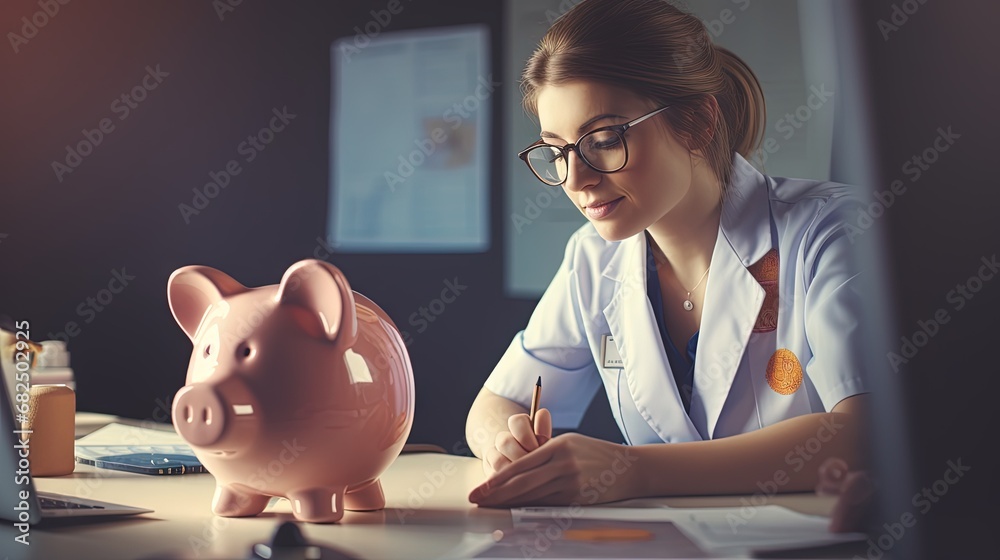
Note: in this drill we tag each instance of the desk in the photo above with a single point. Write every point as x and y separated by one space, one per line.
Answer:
427 515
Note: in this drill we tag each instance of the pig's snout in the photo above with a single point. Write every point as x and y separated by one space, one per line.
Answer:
199 415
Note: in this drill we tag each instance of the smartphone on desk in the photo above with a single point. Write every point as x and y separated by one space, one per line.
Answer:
158 462
137 449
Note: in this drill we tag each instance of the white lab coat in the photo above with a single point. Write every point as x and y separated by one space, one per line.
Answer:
600 290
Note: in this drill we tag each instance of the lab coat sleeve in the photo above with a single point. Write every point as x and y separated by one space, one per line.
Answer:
554 345
835 307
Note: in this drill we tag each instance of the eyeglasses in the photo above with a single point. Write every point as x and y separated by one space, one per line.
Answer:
604 150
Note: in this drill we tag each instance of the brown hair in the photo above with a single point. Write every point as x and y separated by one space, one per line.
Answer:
664 55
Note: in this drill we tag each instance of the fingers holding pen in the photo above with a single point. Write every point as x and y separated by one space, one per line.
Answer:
523 438
523 433
512 447
543 426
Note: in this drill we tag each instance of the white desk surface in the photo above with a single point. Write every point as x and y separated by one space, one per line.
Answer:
183 525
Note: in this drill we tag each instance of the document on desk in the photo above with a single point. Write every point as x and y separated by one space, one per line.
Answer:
717 531
543 537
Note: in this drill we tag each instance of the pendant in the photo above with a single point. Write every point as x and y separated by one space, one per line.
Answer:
688 306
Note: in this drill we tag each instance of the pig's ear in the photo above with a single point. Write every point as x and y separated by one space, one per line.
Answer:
192 290
322 291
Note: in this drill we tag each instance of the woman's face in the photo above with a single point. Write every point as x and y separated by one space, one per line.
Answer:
655 179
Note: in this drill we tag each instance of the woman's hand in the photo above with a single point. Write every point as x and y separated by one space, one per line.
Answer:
855 495
520 440
571 468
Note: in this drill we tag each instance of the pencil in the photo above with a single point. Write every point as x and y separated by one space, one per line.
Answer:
535 397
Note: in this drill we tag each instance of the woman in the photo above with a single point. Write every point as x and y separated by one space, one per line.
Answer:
718 307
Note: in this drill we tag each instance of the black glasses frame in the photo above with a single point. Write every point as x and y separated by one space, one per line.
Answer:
618 129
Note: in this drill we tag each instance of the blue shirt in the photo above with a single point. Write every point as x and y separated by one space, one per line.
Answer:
683 369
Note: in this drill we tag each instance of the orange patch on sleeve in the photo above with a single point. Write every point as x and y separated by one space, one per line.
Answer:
784 372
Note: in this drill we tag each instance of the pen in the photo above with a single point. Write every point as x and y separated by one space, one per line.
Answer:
535 397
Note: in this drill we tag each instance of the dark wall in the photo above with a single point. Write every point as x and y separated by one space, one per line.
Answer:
118 208
935 69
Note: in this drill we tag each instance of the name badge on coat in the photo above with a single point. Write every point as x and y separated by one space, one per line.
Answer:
609 353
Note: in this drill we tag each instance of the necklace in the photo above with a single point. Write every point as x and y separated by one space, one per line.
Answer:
688 305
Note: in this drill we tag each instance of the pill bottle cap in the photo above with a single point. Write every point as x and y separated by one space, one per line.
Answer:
53 354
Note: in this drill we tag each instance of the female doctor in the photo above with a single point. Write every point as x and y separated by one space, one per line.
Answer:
716 306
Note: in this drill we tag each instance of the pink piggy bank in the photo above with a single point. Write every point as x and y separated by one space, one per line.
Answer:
302 389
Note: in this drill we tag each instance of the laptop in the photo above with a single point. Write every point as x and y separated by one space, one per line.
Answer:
19 501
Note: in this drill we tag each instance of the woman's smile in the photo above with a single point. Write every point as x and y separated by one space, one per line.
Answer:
602 209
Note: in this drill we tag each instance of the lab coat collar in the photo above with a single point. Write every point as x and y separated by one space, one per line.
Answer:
647 371
732 302
746 213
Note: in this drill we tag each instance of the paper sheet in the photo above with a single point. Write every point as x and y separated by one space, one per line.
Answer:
720 530
540 537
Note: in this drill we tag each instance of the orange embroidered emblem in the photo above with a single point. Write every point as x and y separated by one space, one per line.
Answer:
784 372
765 272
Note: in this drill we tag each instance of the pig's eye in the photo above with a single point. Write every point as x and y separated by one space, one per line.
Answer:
208 350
